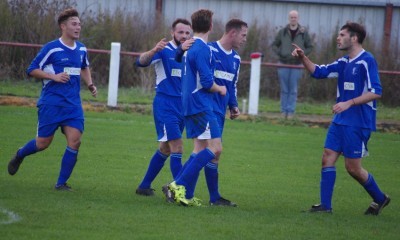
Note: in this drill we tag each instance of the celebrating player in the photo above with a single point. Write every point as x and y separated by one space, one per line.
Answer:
167 104
60 64
358 88
227 66
201 123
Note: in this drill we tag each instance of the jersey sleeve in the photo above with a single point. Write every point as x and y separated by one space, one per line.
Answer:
156 58
205 69
326 71
41 60
373 80
232 89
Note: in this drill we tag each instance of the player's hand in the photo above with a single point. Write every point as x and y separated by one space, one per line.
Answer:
341 107
222 90
187 44
62 77
160 45
297 52
93 89
234 113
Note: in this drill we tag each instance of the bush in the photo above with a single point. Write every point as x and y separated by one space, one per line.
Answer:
34 21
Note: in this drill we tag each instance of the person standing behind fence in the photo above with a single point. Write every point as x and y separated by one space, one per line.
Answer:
167 104
358 87
60 64
289 77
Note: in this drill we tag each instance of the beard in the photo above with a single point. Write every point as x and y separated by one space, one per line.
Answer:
177 42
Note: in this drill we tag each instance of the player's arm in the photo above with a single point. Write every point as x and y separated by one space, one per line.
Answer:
40 74
87 78
364 98
145 58
215 88
233 104
181 49
299 53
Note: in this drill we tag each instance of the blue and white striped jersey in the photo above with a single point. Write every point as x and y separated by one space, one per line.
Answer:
355 77
168 71
227 67
197 78
56 57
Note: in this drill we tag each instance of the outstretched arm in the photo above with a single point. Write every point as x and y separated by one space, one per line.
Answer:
145 58
299 53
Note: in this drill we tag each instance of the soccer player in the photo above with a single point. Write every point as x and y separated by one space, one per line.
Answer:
167 104
60 64
201 123
227 66
354 119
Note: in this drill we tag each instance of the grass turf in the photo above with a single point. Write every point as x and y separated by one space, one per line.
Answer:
271 171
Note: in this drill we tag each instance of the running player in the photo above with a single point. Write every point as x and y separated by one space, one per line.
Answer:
60 64
358 87
167 104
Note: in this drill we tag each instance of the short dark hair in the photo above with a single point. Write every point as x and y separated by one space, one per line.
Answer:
180 20
355 29
67 13
202 20
236 24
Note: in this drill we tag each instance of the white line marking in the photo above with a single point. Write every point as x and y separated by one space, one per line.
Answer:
11 217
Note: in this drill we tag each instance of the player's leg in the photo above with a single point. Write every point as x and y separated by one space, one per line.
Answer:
330 155
202 126
157 162
45 134
73 132
356 142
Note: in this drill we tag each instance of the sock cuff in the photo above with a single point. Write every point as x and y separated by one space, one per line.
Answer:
161 154
212 165
71 150
179 155
328 169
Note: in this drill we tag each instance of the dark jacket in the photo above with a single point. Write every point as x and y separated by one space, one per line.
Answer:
282 44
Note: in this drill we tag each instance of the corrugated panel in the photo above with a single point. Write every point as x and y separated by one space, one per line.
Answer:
321 19
144 8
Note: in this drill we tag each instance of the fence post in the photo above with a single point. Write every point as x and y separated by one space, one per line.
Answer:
114 74
254 82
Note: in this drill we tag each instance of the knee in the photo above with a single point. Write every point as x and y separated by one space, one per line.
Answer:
165 149
75 144
42 144
217 150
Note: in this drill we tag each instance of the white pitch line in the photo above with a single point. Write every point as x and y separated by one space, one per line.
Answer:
11 217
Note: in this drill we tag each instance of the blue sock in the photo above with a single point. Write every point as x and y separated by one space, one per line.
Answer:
211 173
193 169
328 178
155 166
67 165
29 148
175 161
185 165
373 190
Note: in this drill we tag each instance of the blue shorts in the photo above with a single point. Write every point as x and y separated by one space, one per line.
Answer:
168 118
50 118
202 125
350 141
221 121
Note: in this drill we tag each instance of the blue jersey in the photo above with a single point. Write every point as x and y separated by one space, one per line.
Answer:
197 78
355 77
227 66
56 57
168 71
